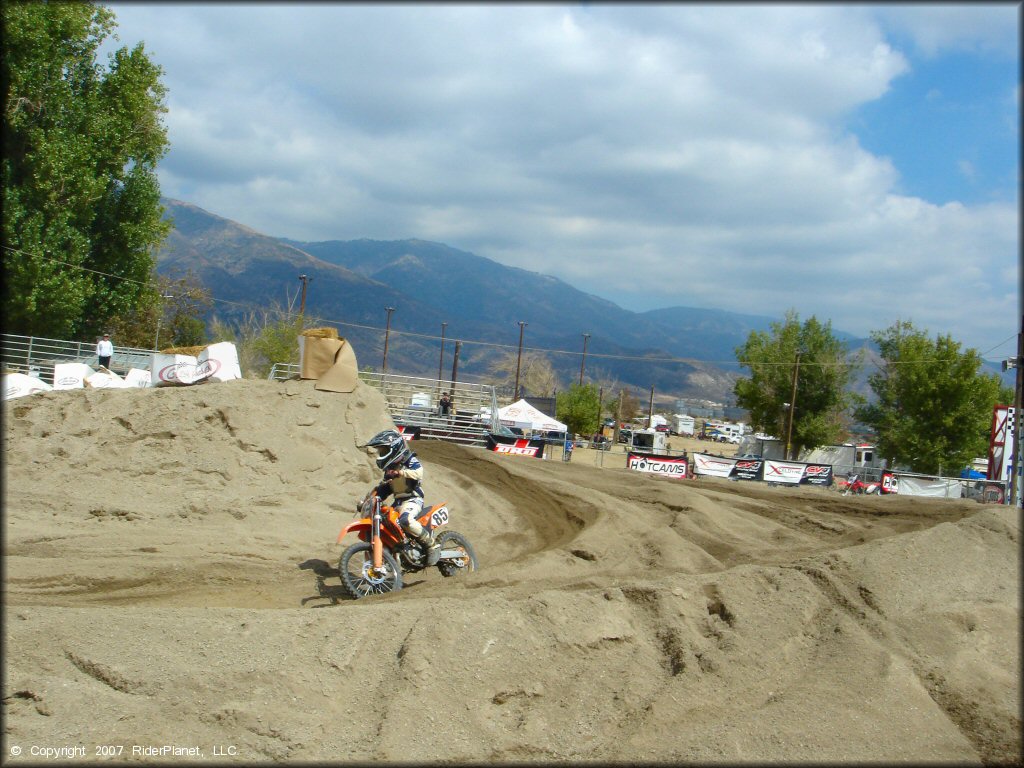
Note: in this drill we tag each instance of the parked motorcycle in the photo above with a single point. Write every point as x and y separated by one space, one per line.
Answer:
375 564
857 486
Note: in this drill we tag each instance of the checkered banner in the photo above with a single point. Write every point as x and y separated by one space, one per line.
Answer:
1001 443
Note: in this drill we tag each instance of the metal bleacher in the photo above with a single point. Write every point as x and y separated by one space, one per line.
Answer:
412 404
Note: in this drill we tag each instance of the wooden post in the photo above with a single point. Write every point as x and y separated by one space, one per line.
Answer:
792 407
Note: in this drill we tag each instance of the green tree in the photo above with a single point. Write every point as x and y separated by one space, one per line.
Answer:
823 376
933 406
81 208
577 407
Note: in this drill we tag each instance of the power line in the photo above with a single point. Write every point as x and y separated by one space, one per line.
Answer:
491 344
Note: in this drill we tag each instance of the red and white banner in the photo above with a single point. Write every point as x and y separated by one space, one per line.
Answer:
511 446
1000 446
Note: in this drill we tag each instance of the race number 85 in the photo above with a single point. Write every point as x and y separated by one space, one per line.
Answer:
440 516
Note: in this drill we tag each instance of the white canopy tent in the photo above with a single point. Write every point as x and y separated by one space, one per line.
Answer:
522 415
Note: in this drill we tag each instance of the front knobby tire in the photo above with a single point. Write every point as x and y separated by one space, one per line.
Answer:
465 563
358 577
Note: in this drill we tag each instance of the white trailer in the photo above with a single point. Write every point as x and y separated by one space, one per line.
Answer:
649 441
683 424
727 428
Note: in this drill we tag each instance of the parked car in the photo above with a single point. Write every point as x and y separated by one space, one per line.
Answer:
662 428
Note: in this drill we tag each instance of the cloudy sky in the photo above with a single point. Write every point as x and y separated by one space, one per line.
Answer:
858 163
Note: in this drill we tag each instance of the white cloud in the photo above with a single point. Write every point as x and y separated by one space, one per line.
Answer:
652 154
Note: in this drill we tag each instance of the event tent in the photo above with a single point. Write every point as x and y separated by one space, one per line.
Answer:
524 416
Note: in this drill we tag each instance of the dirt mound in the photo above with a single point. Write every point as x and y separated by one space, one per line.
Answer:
164 549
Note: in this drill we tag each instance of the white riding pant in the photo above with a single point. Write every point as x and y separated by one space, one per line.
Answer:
408 510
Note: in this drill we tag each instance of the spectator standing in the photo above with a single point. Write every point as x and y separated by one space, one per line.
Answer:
104 351
445 405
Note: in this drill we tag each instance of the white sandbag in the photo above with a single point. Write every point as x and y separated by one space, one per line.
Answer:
138 377
104 379
71 375
173 370
20 385
222 360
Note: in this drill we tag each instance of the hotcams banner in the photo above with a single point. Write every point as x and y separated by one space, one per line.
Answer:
512 446
657 464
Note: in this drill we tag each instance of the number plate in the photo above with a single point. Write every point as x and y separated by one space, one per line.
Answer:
439 517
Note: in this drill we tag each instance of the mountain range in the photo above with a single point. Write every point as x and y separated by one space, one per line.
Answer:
679 351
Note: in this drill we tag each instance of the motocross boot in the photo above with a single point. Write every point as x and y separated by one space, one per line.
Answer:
432 548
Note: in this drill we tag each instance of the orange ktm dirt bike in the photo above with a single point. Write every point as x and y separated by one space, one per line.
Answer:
375 563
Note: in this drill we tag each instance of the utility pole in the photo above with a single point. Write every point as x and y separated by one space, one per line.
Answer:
159 318
387 333
1015 478
519 360
650 410
792 406
618 418
586 337
440 363
455 366
302 302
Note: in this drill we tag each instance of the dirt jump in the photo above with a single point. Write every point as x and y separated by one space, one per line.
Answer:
171 595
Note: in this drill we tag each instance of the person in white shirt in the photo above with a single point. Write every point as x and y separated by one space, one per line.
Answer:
104 351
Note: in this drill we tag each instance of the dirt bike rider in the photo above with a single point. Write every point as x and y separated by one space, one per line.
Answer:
403 475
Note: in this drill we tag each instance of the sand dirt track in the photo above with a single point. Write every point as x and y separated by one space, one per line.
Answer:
163 548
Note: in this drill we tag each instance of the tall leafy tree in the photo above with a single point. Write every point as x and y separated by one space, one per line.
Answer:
81 208
578 408
823 374
933 407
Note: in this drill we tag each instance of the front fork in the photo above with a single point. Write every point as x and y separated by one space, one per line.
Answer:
375 542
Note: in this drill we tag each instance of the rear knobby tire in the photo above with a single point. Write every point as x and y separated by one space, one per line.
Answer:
465 564
357 577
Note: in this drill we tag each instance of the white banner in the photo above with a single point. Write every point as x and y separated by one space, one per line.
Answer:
138 377
104 379
180 369
71 375
936 487
715 466
20 384
787 472
225 356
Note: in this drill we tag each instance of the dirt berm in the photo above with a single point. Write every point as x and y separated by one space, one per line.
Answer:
163 547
